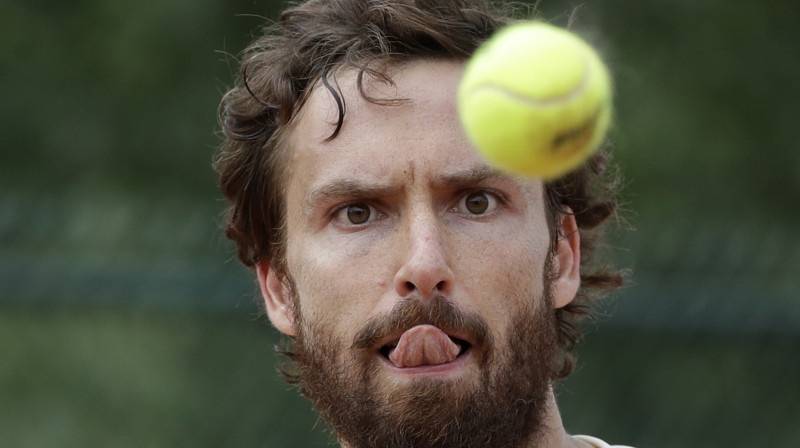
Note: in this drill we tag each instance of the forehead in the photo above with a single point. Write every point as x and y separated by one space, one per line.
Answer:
419 134
416 87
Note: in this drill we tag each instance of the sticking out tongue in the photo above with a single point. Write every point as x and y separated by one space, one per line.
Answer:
423 345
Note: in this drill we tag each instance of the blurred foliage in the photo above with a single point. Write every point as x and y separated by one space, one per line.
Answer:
125 320
103 94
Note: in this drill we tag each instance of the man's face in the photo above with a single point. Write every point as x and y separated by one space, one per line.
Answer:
420 286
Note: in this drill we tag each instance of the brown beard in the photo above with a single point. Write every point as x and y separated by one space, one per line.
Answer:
506 408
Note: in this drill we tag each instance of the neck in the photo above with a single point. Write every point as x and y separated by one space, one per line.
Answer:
554 435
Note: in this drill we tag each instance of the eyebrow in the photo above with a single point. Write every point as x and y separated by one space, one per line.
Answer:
470 177
346 188
350 188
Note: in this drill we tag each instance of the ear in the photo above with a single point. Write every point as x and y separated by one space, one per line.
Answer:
567 261
277 299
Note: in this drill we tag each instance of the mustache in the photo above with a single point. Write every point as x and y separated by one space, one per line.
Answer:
412 311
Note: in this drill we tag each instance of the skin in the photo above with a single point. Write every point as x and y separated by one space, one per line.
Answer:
409 169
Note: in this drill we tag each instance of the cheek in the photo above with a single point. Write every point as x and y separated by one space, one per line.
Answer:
503 276
512 254
339 287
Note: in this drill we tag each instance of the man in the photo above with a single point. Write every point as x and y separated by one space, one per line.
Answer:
430 300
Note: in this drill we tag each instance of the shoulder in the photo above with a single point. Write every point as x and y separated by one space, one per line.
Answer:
595 442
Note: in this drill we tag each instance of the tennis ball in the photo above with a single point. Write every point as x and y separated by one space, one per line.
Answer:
535 100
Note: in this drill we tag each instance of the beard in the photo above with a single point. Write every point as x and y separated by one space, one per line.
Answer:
505 407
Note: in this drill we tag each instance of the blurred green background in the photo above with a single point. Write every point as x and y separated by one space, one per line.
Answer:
125 320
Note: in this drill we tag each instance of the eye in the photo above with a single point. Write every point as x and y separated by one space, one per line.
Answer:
478 203
354 214
358 214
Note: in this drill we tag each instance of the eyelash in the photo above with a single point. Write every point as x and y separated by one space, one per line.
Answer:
498 198
337 214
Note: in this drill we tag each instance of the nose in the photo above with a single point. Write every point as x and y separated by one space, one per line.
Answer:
425 268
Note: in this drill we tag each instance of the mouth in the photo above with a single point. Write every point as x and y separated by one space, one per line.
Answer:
424 346
463 346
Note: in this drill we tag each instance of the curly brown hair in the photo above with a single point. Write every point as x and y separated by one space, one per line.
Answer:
311 39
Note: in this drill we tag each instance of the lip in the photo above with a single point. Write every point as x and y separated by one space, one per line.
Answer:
394 339
429 370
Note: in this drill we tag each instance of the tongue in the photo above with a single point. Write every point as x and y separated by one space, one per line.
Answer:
423 345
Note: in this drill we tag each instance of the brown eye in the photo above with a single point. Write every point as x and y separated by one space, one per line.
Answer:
476 203
358 214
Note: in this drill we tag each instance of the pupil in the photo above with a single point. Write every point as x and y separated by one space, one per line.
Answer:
477 203
357 214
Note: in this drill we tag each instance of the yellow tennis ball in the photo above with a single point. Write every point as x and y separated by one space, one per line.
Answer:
535 100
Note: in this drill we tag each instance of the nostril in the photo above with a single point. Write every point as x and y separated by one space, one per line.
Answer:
440 286
410 286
